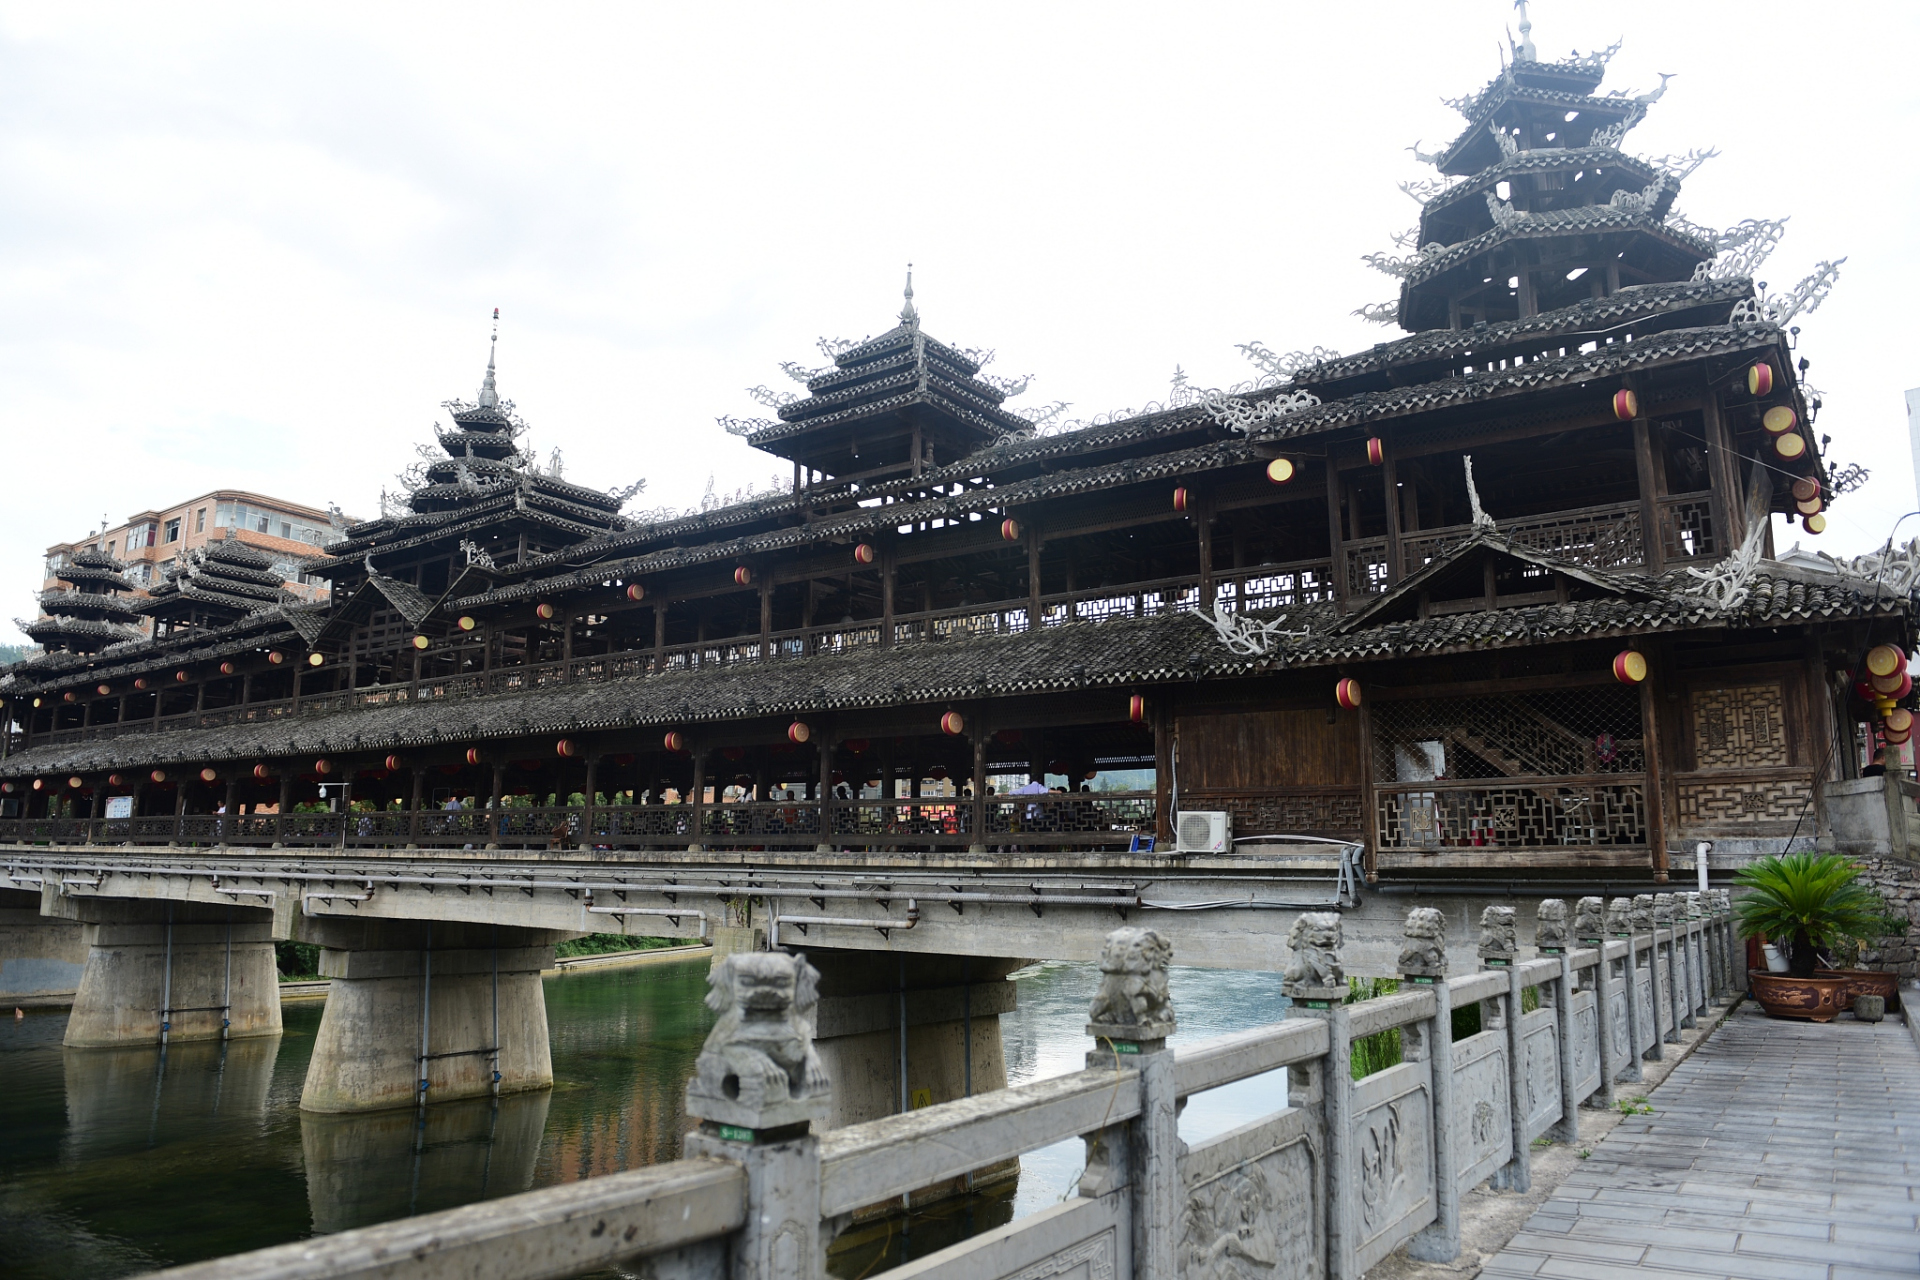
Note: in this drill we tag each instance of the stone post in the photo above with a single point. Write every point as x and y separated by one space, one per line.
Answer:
757 1090
1550 939
1590 930
1497 951
1677 1016
1620 928
1643 922
1131 1018
1423 965
1701 990
1316 982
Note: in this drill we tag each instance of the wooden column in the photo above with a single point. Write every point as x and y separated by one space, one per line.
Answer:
659 635
1338 573
1034 621
1161 713
1660 672
1391 479
1652 541
824 736
887 574
1723 471
592 800
286 803
766 615
1203 526
1823 744
1369 823
413 808
981 733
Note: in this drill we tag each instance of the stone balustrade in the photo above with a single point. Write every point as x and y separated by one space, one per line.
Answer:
1341 1173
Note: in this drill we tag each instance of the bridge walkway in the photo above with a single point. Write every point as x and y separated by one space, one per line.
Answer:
1778 1151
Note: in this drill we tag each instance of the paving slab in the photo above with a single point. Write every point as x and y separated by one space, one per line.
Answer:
1777 1150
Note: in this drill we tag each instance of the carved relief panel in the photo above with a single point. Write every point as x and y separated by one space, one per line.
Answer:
1739 728
1392 1157
1540 1042
1253 1204
1586 1044
1482 1119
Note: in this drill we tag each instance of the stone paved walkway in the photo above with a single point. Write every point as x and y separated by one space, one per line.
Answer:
1778 1151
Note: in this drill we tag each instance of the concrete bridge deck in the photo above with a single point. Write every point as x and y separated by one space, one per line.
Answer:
1778 1151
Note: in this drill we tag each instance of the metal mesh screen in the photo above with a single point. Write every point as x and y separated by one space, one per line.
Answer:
1561 733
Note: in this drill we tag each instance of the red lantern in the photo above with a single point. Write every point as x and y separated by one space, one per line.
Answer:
1811 507
274 658
1790 446
158 775
675 741
73 783
1626 405
1895 689
467 623
1779 420
1815 524
315 659
863 554
566 748
1180 498
798 732
39 784
1760 379
208 775
393 764
262 773
1900 721
636 592
6 788
1629 666
953 723
473 755
1136 708
1280 470
1886 659
743 576
543 611
102 690
226 668
1347 693
421 642
1010 529
113 780
70 696
856 745
323 767
140 682
1376 450
180 677
1806 487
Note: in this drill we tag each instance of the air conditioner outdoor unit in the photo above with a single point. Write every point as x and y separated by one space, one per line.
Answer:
1197 831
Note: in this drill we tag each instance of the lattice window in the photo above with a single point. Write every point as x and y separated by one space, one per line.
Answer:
1367 567
1739 728
385 631
1603 537
1560 733
1686 527
1736 803
1514 816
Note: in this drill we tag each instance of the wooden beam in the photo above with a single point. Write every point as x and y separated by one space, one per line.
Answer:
1331 482
1652 540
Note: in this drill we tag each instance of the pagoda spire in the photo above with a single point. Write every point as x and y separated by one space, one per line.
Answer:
489 393
1524 51
909 317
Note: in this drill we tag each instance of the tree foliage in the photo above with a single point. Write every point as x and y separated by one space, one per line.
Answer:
1809 901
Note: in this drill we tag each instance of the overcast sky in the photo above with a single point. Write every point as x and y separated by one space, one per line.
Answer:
255 246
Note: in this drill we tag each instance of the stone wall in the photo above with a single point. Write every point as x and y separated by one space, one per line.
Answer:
1899 883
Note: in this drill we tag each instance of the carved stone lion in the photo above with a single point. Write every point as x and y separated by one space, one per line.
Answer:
1425 955
1589 918
1620 916
1550 924
1695 907
1133 993
1315 941
1662 908
758 1067
1498 939
1642 913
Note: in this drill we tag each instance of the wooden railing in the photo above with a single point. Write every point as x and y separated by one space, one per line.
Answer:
1334 1177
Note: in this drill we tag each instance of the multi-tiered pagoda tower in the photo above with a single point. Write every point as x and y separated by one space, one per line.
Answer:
91 610
214 586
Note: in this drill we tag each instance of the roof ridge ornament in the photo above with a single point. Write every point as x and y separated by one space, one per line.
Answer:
1524 51
489 393
909 316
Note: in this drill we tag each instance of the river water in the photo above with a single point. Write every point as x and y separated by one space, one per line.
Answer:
118 1161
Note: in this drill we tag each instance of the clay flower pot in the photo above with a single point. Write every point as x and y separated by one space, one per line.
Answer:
1865 982
1816 999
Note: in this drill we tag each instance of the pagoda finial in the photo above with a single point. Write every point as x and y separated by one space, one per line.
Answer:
909 317
490 394
1524 51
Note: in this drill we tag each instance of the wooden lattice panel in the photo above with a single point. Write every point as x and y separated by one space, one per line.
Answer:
1740 802
1743 727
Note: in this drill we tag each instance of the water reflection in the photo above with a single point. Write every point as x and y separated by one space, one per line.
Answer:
117 1161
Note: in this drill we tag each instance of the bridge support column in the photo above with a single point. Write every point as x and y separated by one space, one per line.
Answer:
898 1031
424 1011
159 972
41 957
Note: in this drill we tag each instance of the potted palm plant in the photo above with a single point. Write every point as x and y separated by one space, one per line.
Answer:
1804 902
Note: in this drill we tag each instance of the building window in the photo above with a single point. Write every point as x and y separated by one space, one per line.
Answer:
200 521
261 524
286 531
173 531
110 542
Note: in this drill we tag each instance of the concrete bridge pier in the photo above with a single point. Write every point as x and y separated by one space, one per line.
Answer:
41 957
898 1031
160 972
427 1011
